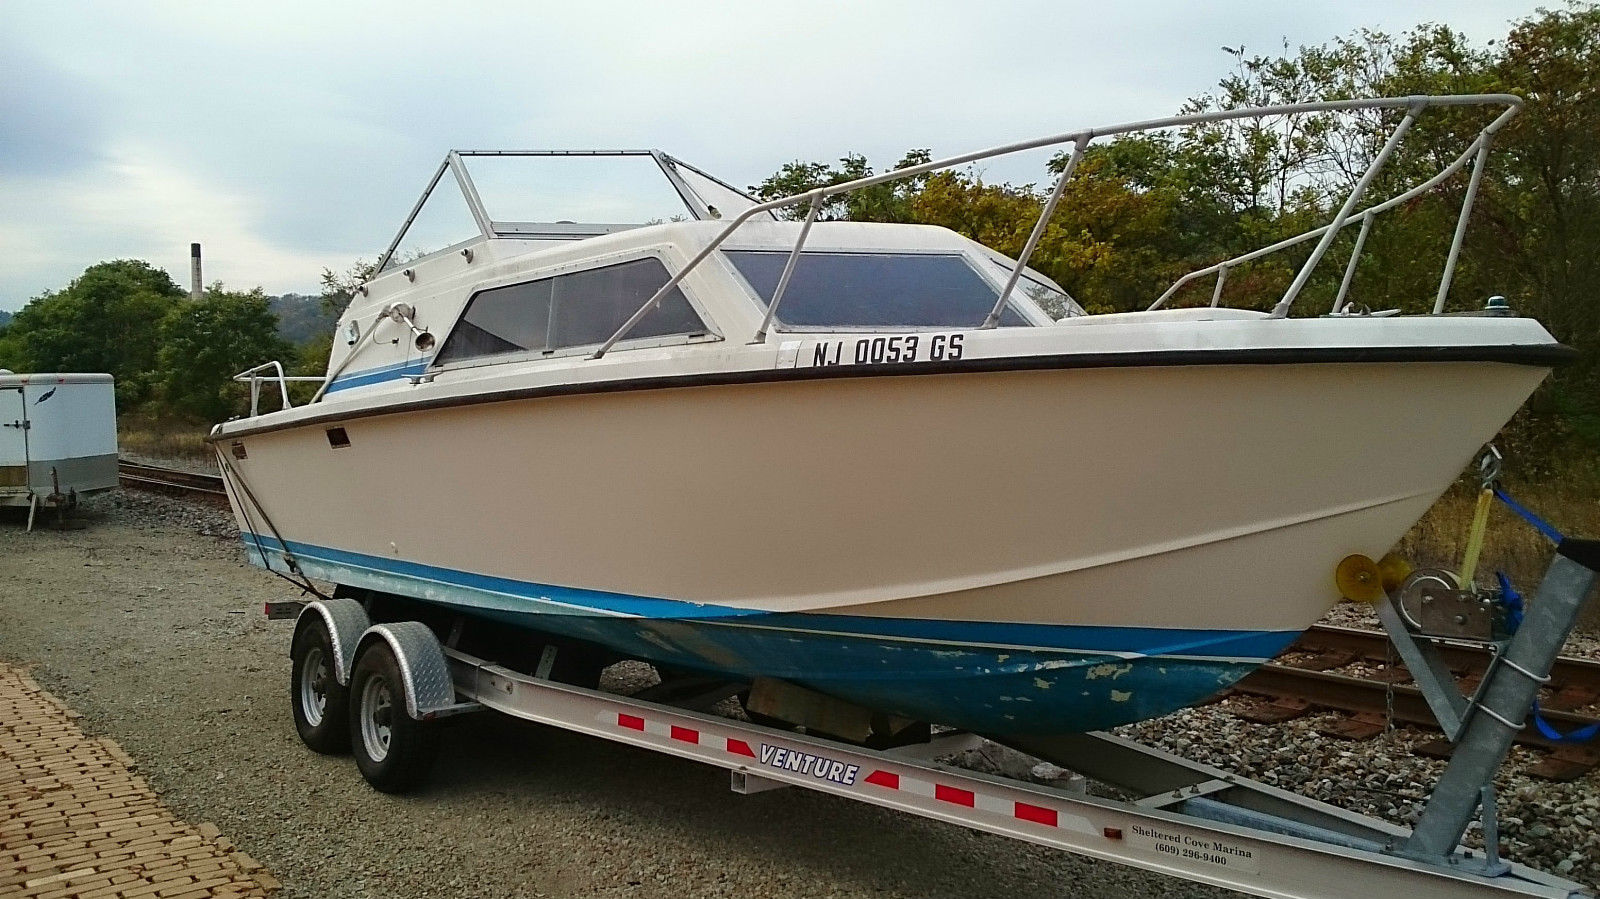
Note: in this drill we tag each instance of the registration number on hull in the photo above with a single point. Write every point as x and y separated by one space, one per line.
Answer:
885 350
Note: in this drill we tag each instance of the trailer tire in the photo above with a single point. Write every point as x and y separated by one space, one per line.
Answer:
320 702
394 751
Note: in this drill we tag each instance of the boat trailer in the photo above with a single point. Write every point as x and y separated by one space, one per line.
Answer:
382 688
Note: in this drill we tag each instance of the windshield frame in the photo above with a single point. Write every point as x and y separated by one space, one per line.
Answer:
699 208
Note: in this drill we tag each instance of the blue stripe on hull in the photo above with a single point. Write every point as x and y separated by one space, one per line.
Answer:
993 677
378 375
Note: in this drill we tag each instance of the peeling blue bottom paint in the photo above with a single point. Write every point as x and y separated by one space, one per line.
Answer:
991 677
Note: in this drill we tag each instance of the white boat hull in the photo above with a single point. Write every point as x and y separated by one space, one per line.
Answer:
947 546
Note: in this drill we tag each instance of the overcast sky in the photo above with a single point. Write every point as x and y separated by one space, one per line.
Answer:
291 136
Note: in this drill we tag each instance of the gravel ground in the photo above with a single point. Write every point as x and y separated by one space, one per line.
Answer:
1545 824
153 630
145 618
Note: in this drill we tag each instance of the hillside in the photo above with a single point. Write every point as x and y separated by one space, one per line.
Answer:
301 318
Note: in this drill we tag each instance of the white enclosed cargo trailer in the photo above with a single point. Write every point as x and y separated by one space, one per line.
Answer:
58 438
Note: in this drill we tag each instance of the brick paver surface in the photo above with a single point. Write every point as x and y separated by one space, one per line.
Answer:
76 823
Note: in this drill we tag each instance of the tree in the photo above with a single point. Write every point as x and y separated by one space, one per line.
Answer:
338 288
107 320
206 342
1548 213
880 203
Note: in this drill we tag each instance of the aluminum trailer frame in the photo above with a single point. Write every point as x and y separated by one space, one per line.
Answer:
1327 852
1185 819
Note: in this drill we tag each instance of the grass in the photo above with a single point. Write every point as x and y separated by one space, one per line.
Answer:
1565 491
162 437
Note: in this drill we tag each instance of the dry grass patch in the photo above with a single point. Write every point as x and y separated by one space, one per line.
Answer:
163 437
1567 497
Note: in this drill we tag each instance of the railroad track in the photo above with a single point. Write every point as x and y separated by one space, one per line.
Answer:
1374 689
170 480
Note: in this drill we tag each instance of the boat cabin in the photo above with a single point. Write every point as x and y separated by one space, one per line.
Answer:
480 290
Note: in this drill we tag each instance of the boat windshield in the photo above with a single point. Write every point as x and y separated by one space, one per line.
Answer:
574 188
1045 294
874 290
557 195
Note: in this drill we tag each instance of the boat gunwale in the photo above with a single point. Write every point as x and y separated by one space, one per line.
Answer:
1543 355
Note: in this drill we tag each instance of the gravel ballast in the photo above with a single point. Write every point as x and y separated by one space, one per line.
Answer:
145 618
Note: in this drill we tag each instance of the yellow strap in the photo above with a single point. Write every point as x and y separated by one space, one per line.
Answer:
1480 523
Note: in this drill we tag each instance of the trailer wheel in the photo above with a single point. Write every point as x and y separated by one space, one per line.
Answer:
393 750
321 703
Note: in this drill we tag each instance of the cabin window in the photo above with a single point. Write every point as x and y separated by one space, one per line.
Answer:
874 290
571 310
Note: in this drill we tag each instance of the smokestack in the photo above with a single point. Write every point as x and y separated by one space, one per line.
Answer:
195 288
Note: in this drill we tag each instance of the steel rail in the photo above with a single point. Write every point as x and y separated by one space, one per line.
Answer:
1568 671
155 477
1342 692
1405 703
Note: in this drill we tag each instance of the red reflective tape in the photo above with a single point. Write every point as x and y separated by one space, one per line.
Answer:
740 747
1037 814
685 734
953 795
884 779
632 721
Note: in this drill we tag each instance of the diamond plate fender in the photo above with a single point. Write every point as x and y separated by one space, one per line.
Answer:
422 663
345 620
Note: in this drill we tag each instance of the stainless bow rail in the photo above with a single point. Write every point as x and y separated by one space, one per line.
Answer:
1477 151
676 172
257 376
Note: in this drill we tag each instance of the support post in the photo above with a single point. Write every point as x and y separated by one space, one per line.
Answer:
788 270
1078 148
1432 675
1282 309
1506 696
1355 257
1478 165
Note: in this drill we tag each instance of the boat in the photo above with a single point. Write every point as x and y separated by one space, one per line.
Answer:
880 462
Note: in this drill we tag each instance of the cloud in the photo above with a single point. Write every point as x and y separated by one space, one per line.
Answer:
135 205
48 118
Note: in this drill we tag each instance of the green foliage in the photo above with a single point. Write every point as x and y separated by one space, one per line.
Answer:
879 203
1544 216
169 355
206 342
1142 210
302 318
107 320
339 287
